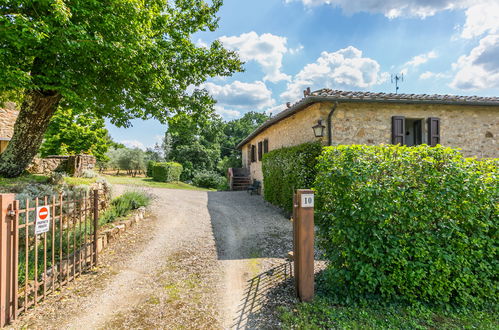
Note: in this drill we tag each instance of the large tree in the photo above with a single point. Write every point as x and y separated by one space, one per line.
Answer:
76 133
120 59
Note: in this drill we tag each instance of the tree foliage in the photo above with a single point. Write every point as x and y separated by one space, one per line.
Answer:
207 143
71 133
131 160
120 59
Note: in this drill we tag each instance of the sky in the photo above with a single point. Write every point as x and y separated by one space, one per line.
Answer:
440 46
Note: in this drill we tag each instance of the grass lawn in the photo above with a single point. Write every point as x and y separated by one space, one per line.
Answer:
30 178
72 181
322 313
148 182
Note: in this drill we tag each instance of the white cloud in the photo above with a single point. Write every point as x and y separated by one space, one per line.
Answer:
392 8
481 18
134 144
343 69
479 69
421 59
226 113
241 95
430 75
266 49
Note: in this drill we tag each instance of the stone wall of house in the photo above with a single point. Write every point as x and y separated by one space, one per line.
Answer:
72 165
474 129
8 116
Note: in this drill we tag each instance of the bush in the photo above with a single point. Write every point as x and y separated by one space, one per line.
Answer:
409 223
167 172
89 174
288 169
150 166
209 179
123 204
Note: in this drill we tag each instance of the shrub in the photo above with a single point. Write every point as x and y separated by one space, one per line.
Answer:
409 223
149 168
167 172
288 169
123 204
88 174
209 179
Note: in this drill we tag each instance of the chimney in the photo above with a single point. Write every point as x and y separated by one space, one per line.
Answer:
306 92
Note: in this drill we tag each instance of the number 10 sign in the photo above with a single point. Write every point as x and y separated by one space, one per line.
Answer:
307 200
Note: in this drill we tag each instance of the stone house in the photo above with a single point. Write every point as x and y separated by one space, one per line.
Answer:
8 116
467 122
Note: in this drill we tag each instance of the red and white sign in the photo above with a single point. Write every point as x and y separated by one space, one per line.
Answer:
42 223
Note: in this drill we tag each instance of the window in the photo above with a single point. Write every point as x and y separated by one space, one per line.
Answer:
253 153
265 146
260 150
409 131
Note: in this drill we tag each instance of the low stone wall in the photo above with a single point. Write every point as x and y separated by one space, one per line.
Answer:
107 235
72 165
48 165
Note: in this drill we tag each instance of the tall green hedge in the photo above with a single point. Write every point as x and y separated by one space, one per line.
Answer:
288 169
409 223
166 172
149 168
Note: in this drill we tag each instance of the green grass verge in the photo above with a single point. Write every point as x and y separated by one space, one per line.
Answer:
148 182
29 178
322 314
72 181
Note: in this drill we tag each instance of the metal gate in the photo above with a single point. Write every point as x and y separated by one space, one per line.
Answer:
33 266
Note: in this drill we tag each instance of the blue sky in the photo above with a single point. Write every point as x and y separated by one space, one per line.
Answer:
441 46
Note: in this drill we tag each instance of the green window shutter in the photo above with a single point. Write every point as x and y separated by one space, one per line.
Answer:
398 130
433 131
260 150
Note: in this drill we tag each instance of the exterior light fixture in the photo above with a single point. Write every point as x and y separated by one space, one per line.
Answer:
319 129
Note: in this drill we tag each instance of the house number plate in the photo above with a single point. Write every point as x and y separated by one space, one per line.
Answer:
307 200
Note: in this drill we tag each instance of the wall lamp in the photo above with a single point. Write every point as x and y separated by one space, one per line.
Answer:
319 129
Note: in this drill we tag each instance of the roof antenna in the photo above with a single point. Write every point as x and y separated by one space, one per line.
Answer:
396 78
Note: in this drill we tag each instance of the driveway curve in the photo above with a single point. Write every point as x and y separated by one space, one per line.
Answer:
202 260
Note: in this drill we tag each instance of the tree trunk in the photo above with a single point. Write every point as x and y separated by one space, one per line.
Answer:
36 111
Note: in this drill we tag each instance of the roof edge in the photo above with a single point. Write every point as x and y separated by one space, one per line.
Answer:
316 99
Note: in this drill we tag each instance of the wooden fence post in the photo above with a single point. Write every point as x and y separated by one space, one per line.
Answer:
7 261
96 225
303 228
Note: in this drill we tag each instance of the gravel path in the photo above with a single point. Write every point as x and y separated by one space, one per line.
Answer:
202 260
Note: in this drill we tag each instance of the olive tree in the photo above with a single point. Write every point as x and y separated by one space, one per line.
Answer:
121 59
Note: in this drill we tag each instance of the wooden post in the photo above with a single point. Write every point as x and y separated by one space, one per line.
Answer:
7 259
96 225
303 227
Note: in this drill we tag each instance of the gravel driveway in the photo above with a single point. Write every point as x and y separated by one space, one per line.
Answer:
202 260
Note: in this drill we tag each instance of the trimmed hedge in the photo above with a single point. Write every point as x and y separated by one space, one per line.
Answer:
287 169
414 224
149 168
166 172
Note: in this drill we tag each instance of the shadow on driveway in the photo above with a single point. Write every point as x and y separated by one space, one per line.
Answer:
246 227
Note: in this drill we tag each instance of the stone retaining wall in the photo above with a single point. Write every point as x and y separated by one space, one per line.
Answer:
72 165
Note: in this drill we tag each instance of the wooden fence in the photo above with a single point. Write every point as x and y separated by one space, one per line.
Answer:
32 265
